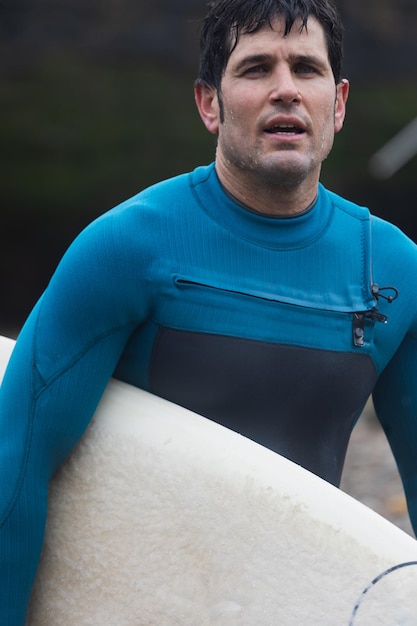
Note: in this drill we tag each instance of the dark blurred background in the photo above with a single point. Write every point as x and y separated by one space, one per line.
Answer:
96 102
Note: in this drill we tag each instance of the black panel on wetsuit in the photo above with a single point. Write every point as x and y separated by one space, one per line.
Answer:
299 402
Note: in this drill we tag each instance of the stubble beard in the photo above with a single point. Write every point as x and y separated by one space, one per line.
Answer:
273 173
269 172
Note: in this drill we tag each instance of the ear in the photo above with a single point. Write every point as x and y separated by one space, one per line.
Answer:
342 93
207 102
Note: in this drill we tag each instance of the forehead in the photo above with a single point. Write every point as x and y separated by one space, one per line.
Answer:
310 40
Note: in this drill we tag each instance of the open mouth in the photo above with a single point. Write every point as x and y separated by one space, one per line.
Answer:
285 129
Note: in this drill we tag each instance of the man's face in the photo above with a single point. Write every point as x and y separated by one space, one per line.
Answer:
278 106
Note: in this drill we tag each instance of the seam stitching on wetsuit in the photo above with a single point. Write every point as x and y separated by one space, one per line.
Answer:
364 245
365 242
163 328
77 357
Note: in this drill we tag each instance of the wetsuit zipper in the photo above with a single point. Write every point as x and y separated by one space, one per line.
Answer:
374 315
359 324
359 317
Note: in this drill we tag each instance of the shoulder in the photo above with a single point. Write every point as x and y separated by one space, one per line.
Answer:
357 211
166 200
140 225
139 216
388 240
167 193
153 200
385 236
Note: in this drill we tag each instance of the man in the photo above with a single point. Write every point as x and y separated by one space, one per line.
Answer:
244 290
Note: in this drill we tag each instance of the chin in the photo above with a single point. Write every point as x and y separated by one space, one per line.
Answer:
284 174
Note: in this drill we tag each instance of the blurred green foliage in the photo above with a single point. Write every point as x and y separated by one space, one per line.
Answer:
79 135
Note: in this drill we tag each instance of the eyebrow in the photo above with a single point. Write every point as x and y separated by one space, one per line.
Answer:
294 58
252 60
308 59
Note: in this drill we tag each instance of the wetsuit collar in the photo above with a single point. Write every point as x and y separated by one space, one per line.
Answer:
272 232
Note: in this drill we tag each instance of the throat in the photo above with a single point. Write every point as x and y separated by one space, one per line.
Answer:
269 207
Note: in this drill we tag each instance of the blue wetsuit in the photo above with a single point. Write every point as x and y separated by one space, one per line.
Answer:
273 327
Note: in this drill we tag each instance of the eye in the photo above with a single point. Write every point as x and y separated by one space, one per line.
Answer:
255 70
305 68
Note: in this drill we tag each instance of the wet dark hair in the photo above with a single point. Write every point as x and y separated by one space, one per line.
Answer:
226 20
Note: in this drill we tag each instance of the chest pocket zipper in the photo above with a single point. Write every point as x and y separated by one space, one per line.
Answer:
359 318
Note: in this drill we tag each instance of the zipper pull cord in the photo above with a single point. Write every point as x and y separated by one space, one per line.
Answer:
377 293
374 314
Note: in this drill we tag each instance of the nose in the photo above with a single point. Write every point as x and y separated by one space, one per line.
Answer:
284 88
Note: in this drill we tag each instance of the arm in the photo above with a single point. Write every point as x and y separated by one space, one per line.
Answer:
395 400
62 362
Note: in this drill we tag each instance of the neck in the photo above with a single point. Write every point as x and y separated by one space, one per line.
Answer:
272 199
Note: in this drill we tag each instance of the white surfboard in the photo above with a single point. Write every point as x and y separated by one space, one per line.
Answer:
161 517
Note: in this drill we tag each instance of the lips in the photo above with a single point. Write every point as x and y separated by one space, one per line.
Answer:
285 127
